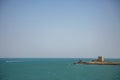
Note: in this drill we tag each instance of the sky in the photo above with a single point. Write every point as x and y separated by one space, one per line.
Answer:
59 28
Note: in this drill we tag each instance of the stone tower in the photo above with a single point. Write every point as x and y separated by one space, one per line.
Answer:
101 58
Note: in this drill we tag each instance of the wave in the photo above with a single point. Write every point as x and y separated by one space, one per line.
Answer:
13 61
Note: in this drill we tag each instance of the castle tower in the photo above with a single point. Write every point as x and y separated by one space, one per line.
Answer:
101 58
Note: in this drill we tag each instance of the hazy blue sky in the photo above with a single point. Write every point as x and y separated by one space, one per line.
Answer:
60 28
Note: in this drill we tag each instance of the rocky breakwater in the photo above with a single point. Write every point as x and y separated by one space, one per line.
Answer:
99 61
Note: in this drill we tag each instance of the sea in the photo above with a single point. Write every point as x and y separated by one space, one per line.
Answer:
56 69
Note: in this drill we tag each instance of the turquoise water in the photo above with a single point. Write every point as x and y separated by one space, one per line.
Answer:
56 69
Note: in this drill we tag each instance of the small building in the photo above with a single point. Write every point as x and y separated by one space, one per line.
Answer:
100 58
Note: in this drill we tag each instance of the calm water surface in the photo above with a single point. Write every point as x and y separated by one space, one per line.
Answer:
55 69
